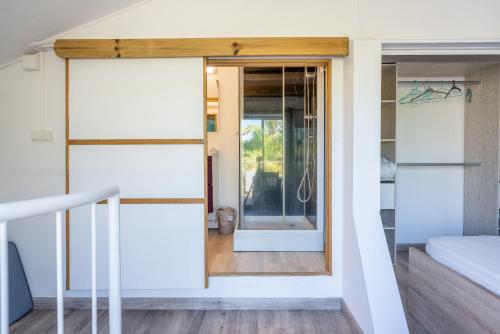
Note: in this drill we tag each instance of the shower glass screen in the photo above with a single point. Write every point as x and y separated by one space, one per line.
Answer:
278 148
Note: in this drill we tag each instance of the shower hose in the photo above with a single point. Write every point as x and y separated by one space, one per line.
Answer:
306 178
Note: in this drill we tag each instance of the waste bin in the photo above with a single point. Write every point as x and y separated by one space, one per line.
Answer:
226 217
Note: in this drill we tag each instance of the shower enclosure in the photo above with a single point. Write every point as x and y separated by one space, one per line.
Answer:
281 159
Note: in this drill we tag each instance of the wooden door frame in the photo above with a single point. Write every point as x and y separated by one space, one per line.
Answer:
288 62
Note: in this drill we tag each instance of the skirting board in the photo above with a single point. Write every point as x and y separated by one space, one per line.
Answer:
261 304
348 315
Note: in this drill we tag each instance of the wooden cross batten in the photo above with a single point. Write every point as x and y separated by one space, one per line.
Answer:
201 47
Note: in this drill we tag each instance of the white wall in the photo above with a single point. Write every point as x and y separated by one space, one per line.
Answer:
226 140
369 287
30 169
386 19
28 161
429 200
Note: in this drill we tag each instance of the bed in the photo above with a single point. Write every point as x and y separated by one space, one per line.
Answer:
455 285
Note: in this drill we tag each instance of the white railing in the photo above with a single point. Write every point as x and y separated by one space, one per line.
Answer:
58 204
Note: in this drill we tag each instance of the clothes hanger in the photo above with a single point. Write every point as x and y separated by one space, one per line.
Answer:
453 88
413 92
428 95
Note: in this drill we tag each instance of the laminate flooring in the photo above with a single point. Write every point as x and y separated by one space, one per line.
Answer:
192 322
223 260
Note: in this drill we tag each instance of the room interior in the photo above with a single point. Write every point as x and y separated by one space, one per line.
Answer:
440 184
266 161
110 140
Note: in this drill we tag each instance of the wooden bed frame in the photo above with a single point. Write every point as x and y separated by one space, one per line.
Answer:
444 301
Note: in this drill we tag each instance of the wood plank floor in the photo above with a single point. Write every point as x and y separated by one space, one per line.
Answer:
402 277
222 259
207 322
187 322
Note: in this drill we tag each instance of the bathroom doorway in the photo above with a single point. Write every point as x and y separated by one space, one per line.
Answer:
281 159
282 118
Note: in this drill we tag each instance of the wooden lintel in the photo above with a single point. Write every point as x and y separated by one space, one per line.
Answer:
158 201
201 47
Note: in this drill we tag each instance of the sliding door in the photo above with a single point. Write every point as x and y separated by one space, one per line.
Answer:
139 124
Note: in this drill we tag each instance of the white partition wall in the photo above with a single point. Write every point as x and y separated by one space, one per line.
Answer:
135 100
142 171
157 252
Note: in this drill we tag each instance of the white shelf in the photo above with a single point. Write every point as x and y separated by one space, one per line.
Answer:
387 140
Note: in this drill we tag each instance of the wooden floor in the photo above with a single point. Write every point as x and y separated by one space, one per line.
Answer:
187 322
222 260
402 276
207 322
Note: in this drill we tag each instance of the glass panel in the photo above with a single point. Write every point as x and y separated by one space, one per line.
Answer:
262 142
300 143
279 144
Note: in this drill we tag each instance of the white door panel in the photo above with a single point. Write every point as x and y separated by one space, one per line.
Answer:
136 98
162 245
139 170
156 251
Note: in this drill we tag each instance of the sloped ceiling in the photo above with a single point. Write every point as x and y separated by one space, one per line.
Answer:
25 21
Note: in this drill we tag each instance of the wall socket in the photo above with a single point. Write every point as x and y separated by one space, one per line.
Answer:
42 135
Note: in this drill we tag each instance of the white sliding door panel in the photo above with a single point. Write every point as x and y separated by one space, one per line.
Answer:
141 171
136 98
162 246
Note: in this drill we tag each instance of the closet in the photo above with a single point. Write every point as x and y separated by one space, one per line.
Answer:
388 155
440 128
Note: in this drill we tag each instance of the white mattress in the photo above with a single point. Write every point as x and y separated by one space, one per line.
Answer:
475 257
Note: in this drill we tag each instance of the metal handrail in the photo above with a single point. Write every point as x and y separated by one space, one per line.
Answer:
59 204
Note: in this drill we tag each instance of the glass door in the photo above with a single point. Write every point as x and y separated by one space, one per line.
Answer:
278 148
261 140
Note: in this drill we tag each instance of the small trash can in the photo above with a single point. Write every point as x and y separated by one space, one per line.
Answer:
226 218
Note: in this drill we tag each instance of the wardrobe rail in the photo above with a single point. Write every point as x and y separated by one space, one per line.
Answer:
447 82
438 164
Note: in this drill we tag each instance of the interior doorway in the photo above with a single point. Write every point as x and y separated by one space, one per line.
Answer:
435 131
279 125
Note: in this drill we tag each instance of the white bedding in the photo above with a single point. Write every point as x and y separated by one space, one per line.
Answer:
475 257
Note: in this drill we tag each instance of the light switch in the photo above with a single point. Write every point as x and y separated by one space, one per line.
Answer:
42 135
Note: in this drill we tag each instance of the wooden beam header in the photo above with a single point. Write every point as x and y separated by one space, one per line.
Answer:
201 47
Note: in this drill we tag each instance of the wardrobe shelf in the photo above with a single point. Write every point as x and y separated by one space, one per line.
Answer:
388 150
